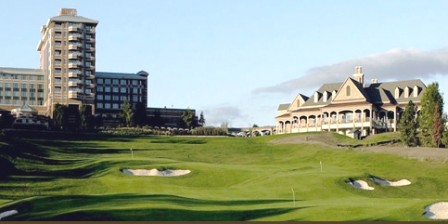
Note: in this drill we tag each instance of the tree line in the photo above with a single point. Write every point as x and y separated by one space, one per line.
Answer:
428 127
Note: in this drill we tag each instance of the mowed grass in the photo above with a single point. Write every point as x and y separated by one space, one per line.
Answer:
80 178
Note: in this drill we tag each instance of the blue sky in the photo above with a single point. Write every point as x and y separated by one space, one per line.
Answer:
236 60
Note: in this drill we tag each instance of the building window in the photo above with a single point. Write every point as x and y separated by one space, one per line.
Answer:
135 90
115 98
115 89
16 76
57 71
8 93
23 94
57 89
115 81
88 46
123 90
99 105
40 77
24 77
134 82
88 63
16 102
134 98
123 82
122 98
107 81
8 76
57 34
107 89
99 96
107 105
88 55
23 87
32 101
99 81
88 37
88 91
348 91
107 97
57 61
115 106
88 82
57 80
99 89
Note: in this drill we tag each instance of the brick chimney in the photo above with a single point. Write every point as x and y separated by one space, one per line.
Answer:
359 76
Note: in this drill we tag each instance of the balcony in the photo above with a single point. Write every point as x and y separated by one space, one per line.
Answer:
74 64
73 28
72 94
74 37
73 55
73 83
73 46
74 73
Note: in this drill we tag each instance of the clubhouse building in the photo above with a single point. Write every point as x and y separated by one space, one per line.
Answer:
350 107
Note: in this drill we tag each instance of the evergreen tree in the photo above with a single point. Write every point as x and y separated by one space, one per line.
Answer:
187 118
437 127
408 125
127 114
431 97
59 116
201 119
84 117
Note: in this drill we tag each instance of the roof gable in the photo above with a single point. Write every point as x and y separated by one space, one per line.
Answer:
297 102
350 91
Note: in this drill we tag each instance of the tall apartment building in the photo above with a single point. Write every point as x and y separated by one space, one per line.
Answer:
67 59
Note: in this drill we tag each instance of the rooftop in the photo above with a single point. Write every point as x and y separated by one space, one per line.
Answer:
25 71
118 75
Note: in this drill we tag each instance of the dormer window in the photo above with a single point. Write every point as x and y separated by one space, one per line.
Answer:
397 93
415 91
333 95
316 97
348 91
325 96
406 92
298 103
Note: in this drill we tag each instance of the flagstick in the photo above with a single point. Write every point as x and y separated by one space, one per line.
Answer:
132 154
320 166
293 197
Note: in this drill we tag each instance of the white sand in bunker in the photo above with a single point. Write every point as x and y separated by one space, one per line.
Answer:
8 213
399 183
155 172
437 211
361 185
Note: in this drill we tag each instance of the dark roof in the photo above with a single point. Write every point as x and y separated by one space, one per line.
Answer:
385 92
374 93
117 75
325 87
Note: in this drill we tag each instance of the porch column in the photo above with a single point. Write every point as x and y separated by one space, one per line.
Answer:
395 119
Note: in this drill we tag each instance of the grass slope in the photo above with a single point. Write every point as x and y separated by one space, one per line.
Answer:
232 179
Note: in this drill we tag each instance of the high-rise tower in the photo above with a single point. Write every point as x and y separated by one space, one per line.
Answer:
67 58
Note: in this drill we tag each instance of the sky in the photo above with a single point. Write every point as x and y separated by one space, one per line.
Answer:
237 60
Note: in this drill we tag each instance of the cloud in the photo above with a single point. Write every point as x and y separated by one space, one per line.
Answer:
216 116
395 64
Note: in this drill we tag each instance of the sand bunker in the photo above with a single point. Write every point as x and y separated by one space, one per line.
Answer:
437 211
361 185
155 172
399 183
8 213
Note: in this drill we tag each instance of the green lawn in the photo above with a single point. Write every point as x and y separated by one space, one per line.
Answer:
232 179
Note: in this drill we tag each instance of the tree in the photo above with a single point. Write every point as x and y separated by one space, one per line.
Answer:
437 127
140 114
59 116
225 126
85 117
201 119
431 97
255 126
127 114
408 125
187 118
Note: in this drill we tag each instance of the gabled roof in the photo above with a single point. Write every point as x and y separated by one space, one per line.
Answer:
358 86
